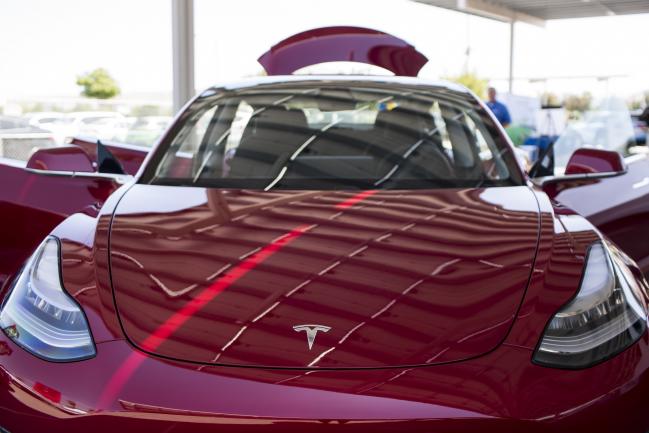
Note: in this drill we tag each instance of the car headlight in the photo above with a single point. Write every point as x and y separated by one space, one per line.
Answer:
40 316
605 317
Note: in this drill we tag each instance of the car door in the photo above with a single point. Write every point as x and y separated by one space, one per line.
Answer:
33 202
619 207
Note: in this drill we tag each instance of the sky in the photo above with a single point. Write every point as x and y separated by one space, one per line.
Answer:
46 44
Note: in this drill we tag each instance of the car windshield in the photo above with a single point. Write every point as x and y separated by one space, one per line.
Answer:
318 136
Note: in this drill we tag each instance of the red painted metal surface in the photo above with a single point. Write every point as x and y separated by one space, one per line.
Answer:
32 205
586 160
63 158
337 44
376 269
500 391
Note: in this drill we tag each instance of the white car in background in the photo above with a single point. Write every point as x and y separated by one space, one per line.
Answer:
145 131
44 119
102 125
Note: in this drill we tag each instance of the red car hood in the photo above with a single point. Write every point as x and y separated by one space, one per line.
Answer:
391 278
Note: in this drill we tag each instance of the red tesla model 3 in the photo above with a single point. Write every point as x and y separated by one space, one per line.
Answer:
327 254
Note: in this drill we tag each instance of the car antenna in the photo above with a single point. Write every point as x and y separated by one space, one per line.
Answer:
106 161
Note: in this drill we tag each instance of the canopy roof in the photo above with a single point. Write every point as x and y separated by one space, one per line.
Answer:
537 11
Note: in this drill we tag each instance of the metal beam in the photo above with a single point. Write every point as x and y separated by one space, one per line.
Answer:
530 10
486 9
512 38
497 12
182 16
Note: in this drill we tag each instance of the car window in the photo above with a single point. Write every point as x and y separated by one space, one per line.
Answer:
336 138
12 123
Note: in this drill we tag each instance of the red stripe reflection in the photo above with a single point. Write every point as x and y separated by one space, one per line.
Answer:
49 393
164 331
355 199
121 376
230 277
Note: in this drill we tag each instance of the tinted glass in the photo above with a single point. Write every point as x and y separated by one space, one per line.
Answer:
335 136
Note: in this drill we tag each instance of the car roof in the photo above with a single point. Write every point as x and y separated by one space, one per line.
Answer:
94 114
39 114
349 79
9 124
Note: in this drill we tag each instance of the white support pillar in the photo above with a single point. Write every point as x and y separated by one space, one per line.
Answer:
512 38
182 16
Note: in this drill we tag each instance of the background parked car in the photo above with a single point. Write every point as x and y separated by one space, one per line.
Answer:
104 125
44 119
19 139
146 130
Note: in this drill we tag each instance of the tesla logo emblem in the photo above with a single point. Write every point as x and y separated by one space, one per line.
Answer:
311 332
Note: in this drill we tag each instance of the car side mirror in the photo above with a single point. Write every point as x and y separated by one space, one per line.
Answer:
585 166
61 159
595 161
106 161
73 162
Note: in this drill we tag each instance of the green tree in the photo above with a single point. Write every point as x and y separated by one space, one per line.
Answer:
638 101
646 97
580 103
549 99
472 81
635 103
149 110
98 84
